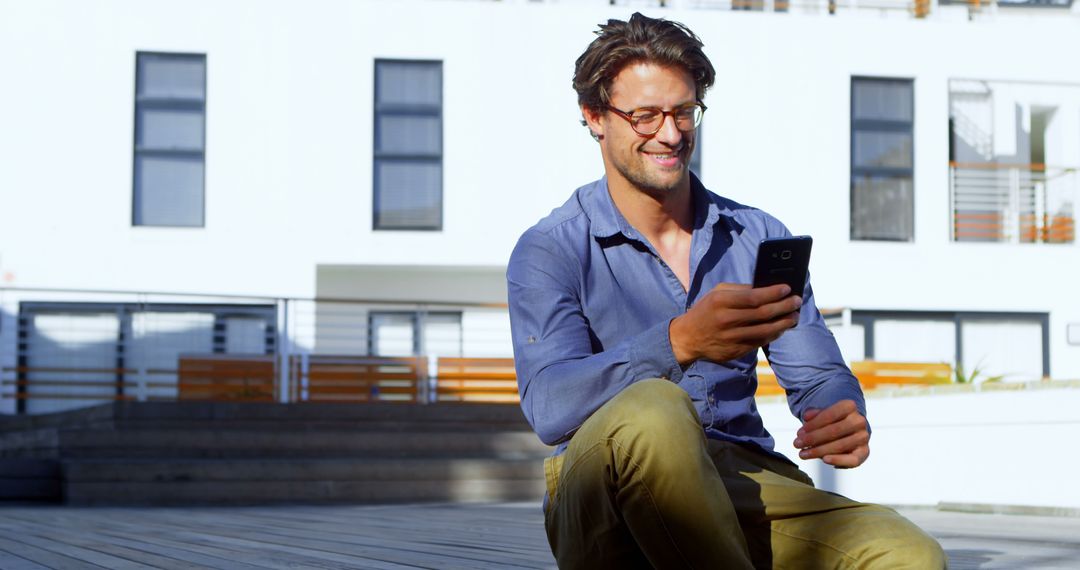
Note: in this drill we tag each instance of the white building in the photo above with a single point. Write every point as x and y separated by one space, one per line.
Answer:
259 154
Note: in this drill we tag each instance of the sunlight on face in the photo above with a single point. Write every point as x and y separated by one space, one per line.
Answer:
657 164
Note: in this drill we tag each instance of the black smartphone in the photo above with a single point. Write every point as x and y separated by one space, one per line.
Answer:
783 260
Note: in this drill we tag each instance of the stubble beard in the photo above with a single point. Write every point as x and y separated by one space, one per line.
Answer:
645 177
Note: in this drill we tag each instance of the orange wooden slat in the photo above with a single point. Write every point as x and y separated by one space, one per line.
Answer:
1034 166
492 380
875 373
466 386
312 388
481 397
226 377
474 375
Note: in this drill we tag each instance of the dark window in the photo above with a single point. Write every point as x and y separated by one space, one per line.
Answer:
170 139
882 165
408 167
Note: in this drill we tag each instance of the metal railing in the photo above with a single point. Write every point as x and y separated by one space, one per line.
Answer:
1012 203
63 349
915 8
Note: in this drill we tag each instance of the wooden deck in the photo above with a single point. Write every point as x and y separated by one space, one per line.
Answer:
440 536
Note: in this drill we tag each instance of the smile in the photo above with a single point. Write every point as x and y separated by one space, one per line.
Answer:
667 159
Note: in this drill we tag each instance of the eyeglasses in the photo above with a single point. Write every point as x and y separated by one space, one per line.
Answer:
647 121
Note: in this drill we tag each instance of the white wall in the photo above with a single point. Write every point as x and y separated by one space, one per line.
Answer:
289 141
1003 448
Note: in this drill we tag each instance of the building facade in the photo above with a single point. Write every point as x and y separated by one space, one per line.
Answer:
349 177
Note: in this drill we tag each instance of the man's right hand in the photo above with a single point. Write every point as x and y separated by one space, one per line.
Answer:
732 320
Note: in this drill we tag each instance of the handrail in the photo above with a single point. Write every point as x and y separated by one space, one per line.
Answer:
260 298
1015 203
1034 166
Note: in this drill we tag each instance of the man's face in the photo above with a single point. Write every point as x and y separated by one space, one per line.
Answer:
656 164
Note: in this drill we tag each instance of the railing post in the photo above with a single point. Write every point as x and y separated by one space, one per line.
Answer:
140 384
1070 196
1012 220
283 349
952 202
432 380
303 381
1040 221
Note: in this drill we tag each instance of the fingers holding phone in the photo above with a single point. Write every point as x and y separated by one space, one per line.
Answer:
732 320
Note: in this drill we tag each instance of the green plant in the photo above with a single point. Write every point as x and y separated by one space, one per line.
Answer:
961 377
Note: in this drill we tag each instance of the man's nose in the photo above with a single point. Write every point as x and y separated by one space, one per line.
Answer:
669 134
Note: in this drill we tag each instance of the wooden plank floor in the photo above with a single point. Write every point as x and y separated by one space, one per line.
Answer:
410 536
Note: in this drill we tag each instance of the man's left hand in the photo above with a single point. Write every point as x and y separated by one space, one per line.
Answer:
838 435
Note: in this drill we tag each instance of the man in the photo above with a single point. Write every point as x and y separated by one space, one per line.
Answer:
636 339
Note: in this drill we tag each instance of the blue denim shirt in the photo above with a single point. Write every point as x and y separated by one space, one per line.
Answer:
591 301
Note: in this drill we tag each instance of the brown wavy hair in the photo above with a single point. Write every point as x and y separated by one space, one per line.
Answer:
642 39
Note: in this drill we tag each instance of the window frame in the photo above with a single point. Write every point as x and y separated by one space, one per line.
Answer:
867 318
406 110
879 125
125 313
164 103
418 321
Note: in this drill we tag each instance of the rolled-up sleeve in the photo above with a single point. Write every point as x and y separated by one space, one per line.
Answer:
562 378
809 366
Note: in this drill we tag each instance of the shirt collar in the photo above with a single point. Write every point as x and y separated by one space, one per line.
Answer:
605 220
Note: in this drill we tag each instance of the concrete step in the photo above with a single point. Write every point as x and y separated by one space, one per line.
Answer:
309 417
215 442
271 492
94 415
316 425
233 453
29 480
40 443
319 413
275 481
184 470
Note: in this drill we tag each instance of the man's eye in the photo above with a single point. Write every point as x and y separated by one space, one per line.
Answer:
645 116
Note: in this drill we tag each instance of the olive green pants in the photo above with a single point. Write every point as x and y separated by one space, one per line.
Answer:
640 486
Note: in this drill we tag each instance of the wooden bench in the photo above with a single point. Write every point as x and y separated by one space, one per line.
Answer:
327 378
226 377
871 375
767 383
476 380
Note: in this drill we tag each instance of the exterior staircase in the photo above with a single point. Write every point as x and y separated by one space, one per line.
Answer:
251 453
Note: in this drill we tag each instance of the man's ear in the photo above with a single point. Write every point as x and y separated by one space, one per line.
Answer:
592 120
